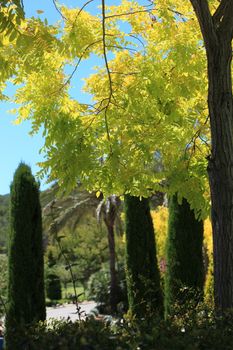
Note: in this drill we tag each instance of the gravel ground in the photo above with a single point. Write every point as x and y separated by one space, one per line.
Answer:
69 311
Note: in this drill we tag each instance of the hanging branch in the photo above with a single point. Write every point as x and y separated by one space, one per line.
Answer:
75 67
107 69
130 13
192 145
83 7
57 9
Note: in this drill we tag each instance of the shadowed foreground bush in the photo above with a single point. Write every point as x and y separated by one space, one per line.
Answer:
200 331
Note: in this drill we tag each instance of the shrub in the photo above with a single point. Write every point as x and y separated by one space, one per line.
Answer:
99 289
53 287
199 330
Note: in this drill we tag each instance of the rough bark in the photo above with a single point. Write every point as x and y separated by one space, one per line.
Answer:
217 32
113 273
109 210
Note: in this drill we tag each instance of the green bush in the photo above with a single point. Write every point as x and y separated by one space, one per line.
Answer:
199 330
99 289
53 287
60 335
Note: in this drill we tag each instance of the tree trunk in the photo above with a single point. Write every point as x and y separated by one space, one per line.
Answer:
217 32
113 272
220 171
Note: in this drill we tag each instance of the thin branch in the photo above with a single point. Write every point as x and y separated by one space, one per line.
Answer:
22 5
121 48
220 11
183 17
193 141
201 8
137 38
225 23
83 7
57 9
126 74
80 11
76 66
117 105
204 141
107 69
176 12
130 13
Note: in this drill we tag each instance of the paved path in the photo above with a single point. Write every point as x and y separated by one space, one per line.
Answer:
69 310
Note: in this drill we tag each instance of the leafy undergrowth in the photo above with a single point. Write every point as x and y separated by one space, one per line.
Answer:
200 331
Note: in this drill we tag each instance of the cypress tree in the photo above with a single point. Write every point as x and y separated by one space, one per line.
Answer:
26 298
184 277
142 273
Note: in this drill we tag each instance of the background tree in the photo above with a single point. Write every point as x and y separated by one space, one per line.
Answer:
143 278
184 277
53 286
108 209
3 283
26 299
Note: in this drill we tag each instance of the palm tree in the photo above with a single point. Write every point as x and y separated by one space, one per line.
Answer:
108 210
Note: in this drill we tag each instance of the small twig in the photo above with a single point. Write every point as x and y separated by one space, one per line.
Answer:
75 68
22 5
126 74
107 69
80 59
82 8
193 141
57 9
121 48
79 12
137 38
130 13
204 141
177 13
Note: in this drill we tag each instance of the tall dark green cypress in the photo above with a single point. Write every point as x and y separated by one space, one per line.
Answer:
184 277
143 278
26 297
